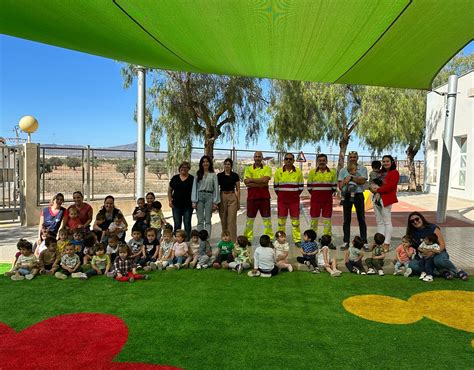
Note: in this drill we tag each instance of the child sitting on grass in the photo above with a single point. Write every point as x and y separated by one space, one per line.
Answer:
326 258
404 253
205 251
112 248
63 240
17 254
166 246
124 267
39 245
179 251
281 250
49 259
241 255
78 240
70 264
27 264
264 259
309 250
193 249
376 261
136 246
151 247
88 251
224 254
427 249
353 256
100 263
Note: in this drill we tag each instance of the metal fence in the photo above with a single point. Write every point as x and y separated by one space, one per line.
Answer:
10 172
98 172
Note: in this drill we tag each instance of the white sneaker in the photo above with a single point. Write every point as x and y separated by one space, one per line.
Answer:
205 266
170 267
381 273
153 266
60 275
315 270
265 275
397 272
363 273
371 271
159 266
428 278
110 274
253 273
408 272
422 275
76 275
290 268
29 276
17 277
240 268
83 276
336 273
177 266
198 266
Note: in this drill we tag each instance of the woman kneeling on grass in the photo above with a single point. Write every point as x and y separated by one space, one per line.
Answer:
418 229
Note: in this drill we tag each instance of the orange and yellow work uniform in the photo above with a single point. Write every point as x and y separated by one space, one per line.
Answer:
288 185
321 186
258 199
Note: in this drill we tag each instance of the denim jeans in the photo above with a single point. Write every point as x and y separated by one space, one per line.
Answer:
182 215
441 263
204 211
360 211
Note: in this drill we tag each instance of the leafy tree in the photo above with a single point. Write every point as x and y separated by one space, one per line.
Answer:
459 65
201 107
73 162
45 167
125 167
304 112
55 162
158 168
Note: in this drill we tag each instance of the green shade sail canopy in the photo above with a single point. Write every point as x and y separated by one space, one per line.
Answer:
396 43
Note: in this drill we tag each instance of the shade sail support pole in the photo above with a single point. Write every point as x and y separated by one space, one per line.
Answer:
140 165
447 148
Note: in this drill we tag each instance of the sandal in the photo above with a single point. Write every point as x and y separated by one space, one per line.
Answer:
448 275
463 275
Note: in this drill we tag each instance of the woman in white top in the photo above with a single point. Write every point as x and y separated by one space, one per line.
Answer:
205 195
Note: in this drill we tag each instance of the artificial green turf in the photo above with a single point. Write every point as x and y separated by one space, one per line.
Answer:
217 319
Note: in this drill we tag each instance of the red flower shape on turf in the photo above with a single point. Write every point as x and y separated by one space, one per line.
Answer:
74 341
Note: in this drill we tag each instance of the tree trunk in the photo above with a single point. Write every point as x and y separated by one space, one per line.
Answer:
209 146
343 143
411 153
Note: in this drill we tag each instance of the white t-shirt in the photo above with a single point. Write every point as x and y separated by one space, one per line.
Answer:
280 249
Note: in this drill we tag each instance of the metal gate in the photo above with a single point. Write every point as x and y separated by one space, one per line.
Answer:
10 182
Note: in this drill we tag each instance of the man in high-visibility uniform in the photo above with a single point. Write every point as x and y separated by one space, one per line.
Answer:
322 184
256 178
288 184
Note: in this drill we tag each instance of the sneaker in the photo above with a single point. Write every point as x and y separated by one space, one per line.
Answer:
428 278
29 276
17 277
332 246
159 266
311 268
146 277
9 273
153 266
131 280
463 275
336 273
408 272
83 277
307 263
422 275
366 247
265 275
240 268
290 268
344 246
363 273
448 275
253 273
177 266
198 266
192 265
110 274
205 266
170 267
381 273
147 268
139 267
76 275
371 271
356 270
397 272
60 275
315 271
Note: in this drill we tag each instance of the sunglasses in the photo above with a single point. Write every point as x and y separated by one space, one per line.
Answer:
414 220
288 159
352 152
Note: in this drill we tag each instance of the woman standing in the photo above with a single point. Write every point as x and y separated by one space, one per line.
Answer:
179 198
52 216
205 195
418 228
84 212
229 183
388 193
105 217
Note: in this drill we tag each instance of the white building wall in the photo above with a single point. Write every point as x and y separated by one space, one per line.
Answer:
463 130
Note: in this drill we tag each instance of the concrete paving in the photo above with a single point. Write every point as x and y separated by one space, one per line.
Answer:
458 228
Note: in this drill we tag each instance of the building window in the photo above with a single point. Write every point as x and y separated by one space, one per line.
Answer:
434 153
462 161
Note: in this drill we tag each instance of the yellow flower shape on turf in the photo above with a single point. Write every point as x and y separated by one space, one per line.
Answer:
453 308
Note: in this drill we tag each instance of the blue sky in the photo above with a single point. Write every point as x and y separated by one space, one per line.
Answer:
77 98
